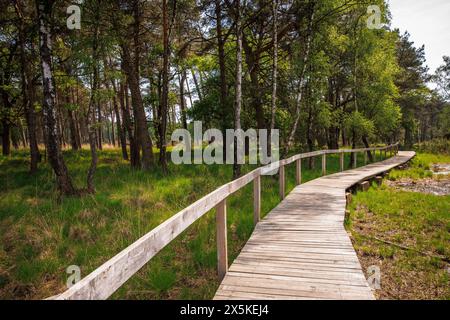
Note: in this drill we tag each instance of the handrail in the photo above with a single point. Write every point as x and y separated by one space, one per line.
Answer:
105 280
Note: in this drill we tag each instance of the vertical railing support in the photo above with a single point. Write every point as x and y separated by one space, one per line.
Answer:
298 172
341 160
222 246
282 182
324 164
355 159
257 199
365 157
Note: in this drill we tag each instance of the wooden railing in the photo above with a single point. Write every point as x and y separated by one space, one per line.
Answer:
105 280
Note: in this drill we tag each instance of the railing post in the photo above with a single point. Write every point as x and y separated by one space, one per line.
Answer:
341 160
355 159
298 171
365 157
257 199
282 182
324 164
222 246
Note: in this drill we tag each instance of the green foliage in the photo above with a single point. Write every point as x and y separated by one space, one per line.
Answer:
357 124
436 146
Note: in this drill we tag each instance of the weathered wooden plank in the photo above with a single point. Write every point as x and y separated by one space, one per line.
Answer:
301 249
257 200
282 180
222 244
298 172
324 164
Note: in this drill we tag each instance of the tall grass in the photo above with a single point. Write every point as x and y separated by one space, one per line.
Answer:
42 234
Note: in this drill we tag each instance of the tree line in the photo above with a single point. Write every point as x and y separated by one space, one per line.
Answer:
136 70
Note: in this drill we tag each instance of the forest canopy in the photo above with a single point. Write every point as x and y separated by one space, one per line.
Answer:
128 73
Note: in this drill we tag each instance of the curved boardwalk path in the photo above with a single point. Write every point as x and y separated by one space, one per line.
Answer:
301 249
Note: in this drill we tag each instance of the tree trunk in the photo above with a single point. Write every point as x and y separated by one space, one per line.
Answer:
182 80
6 137
131 128
29 93
143 137
274 63
64 182
353 147
252 58
113 133
188 90
73 130
197 87
222 70
120 127
238 98
304 62
90 124
367 145
165 90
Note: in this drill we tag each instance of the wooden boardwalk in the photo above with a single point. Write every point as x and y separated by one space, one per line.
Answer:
301 249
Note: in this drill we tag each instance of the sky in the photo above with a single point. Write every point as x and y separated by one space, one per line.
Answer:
428 22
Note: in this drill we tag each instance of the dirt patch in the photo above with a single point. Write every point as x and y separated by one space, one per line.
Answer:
441 168
438 187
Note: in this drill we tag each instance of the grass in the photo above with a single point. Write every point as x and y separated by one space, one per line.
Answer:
42 234
414 220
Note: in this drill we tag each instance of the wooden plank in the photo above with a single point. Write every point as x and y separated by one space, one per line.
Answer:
282 181
301 249
324 164
364 186
379 180
298 171
348 197
222 244
257 200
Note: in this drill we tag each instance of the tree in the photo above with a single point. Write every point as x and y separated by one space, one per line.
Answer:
411 84
28 89
238 88
165 89
64 182
131 69
442 78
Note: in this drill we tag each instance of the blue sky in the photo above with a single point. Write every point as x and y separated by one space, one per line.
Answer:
428 22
